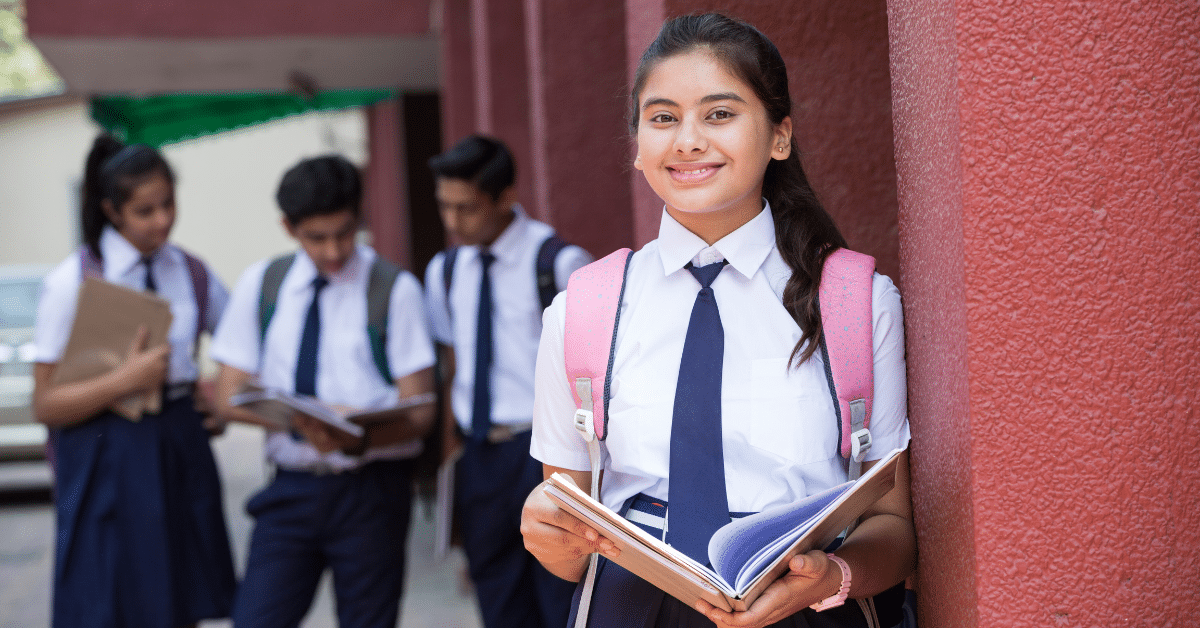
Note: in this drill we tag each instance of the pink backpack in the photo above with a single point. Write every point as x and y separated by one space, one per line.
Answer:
594 295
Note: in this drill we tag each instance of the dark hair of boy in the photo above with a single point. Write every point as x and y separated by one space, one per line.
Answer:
319 186
482 161
111 173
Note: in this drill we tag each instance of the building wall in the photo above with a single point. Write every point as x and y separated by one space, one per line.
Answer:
1049 213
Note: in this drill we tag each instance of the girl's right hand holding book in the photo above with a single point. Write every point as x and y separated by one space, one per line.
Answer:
561 542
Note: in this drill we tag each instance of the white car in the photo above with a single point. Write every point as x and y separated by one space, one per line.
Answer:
22 438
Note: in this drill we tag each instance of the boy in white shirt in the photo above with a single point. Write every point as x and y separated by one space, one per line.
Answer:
486 312
300 323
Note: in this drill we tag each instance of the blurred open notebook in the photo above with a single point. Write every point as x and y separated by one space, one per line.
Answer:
276 407
107 319
746 555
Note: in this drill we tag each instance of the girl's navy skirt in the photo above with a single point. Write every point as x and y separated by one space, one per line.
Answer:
141 539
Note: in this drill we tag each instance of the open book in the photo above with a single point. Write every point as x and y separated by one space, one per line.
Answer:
747 554
107 317
276 408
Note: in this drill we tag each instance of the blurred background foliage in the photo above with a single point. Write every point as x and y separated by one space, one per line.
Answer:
24 73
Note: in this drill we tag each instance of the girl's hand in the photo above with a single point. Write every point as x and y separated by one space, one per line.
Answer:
813 577
556 538
144 369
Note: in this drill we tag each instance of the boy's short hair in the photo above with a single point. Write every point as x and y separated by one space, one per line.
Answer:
482 161
319 185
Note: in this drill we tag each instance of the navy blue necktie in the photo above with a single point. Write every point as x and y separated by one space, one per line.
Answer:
698 504
306 362
481 404
150 285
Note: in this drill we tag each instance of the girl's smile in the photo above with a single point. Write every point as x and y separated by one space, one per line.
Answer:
704 142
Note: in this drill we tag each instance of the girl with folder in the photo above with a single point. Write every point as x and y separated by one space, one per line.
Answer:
719 405
141 538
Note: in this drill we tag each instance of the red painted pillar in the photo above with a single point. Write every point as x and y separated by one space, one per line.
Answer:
1046 158
579 141
643 19
385 197
502 85
458 71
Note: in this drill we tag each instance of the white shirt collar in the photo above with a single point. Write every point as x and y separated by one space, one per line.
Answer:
509 245
304 271
120 256
746 247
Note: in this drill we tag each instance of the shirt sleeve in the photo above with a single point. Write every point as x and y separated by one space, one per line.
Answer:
889 411
236 341
409 346
555 440
436 301
56 311
569 260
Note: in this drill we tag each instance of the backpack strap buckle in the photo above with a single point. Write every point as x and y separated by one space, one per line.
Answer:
860 444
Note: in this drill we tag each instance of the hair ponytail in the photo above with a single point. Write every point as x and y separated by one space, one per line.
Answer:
805 234
111 173
92 218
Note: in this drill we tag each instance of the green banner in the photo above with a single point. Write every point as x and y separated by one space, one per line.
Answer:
158 120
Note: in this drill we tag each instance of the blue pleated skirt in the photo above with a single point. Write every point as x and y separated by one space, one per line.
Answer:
141 538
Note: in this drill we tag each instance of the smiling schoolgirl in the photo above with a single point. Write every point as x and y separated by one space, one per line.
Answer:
741 247
141 536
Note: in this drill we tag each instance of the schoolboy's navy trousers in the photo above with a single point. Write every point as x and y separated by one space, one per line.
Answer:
355 523
492 481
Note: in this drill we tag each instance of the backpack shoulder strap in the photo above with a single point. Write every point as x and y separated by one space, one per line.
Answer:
268 294
89 264
594 295
379 297
198 273
547 284
593 308
847 343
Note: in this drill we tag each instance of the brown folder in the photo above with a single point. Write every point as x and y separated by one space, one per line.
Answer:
107 318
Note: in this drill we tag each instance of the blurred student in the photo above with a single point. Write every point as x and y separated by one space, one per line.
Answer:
141 537
301 323
486 299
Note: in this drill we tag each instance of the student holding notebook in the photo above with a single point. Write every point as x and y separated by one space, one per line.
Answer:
302 323
141 536
719 403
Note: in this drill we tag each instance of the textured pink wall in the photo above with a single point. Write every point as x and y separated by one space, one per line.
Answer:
226 18
1052 149
580 145
385 185
502 85
457 71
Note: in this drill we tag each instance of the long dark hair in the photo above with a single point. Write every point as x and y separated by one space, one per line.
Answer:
804 232
111 173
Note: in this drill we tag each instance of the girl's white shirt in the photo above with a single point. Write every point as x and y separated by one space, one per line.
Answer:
122 266
780 431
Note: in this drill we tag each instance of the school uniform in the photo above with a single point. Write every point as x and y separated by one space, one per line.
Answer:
141 538
347 513
496 474
779 430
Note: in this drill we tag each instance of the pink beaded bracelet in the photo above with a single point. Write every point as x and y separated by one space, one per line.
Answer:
838 598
